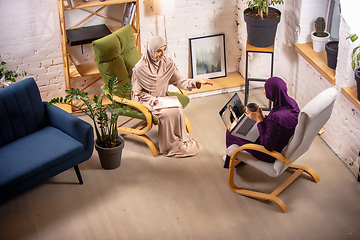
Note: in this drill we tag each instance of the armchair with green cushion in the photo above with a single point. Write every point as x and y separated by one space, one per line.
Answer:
116 54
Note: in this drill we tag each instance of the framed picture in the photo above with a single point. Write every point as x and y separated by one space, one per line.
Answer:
208 56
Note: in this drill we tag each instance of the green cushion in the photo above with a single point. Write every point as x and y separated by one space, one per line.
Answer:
138 115
184 100
128 47
116 55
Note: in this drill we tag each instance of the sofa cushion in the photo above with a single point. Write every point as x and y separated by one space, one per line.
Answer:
24 158
21 111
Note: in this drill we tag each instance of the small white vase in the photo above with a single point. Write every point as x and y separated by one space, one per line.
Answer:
319 42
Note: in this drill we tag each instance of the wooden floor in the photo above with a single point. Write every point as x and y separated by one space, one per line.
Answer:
188 198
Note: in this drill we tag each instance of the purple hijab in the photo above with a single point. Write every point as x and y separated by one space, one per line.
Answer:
285 110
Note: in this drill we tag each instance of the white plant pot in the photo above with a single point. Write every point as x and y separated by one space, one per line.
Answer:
319 42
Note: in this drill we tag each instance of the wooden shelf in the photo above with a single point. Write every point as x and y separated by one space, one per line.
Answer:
251 48
79 4
351 94
89 69
317 60
232 80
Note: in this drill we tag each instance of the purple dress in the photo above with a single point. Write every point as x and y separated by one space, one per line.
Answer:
277 127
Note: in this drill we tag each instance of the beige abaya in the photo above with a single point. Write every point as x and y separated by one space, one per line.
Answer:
150 80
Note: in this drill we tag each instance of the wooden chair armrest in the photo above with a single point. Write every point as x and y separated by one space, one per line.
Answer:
262 149
137 106
183 92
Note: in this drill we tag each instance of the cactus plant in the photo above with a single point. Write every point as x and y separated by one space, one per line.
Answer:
320 27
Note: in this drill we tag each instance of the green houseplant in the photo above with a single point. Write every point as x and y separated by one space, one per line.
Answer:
262 6
8 77
262 21
355 62
319 36
104 117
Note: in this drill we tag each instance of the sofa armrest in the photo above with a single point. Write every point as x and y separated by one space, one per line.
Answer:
71 125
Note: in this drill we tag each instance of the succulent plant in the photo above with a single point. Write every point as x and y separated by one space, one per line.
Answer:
320 27
355 59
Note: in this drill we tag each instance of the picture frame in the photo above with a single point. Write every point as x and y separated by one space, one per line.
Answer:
208 58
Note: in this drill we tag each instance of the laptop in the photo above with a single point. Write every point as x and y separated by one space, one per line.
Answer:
236 121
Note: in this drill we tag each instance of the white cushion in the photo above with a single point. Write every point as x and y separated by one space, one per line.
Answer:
311 119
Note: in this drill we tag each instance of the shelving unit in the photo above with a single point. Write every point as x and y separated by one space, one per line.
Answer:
351 94
266 50
72 70
316 59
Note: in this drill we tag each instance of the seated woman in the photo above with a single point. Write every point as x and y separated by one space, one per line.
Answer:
150 80
277 127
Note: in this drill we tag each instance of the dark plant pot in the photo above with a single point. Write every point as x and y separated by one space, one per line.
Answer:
332 53
261 33
357 78
110 158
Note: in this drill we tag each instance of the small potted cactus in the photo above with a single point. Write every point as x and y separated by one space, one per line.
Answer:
320 36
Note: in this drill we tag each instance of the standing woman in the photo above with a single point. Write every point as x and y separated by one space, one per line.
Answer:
150 80
277 127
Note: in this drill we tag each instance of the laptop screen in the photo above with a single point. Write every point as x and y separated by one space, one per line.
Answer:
232 111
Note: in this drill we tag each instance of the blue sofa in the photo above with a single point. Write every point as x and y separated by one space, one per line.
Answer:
37 142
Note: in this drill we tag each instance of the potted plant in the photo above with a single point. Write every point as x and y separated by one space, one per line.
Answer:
108 143
355 62
331 49
319 36
7 77
261 21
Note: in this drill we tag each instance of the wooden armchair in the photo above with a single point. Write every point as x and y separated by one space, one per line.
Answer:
311 119
116 55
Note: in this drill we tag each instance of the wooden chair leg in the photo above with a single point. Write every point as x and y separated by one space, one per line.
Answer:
77 170
273 196
308 170
188 125
254 194
148 142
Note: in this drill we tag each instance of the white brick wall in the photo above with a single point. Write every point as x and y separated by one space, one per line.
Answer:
310 11
30 40
304 82
192 19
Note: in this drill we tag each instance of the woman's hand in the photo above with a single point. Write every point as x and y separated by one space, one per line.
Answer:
204 81
257 116
155 102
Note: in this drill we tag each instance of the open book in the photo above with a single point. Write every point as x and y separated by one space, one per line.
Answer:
167 102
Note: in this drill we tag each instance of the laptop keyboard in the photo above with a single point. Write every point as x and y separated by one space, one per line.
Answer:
246 126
